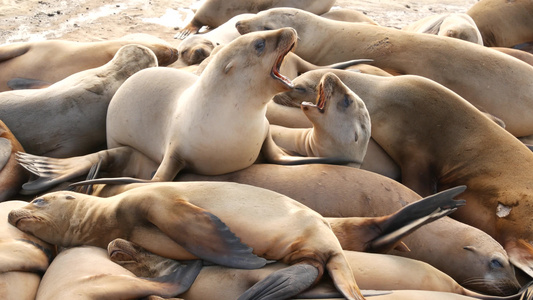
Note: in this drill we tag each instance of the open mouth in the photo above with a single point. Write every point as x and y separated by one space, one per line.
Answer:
275 73
320 101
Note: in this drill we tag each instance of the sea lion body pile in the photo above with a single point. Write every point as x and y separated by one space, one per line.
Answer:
252 165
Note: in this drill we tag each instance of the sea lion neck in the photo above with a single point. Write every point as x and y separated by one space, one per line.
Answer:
87 218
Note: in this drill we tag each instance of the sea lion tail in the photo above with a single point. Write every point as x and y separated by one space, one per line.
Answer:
342 275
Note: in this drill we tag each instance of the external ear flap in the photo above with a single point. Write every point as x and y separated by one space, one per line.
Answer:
470 248
228 68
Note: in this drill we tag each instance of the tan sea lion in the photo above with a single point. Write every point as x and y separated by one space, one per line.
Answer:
96 277
213 13
499 207
12 175
519 54
454 25
196 47
471 257
68 118
503 23
401 274
348 15
23 258
470 75
341 125
53 60
189 134
309 251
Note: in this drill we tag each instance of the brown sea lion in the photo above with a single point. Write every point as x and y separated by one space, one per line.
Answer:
197 209
12 175
96 277
471 257
503 23
68 117
213 13
454 25
368 269
23 258
341 125
471 75
53 60
499 207
189 135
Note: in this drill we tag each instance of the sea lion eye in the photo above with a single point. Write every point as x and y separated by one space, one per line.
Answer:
496 264
39 202
345 102
267 28
259 46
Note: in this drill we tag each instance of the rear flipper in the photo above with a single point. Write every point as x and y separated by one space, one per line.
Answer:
416 214
52 171
276 155
284 283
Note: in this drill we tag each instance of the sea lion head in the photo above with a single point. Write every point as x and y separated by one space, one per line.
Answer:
254 59
47 217
270 19
340 115
194 49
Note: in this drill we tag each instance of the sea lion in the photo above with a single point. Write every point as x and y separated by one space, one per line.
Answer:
454 25
470 75
341 125
213 13
348 15
196 47
519 54
23 258
499 207
206 210
53 60
472 258
96 277
12 175
503 23
189 134
402 274
70 119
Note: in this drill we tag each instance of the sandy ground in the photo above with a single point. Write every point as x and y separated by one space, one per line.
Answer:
92 20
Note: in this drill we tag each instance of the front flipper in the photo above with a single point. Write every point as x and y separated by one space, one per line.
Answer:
202 234
283 284
27 83
276 155
5 151
22 255
416 214
52 171
182 277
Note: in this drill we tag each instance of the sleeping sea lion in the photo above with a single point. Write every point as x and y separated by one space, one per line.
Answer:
207 211
53 60
68 117
503 23
213 13
454 25
96 277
